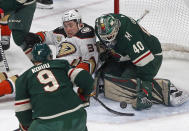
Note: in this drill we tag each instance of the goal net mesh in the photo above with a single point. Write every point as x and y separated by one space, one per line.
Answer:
167 19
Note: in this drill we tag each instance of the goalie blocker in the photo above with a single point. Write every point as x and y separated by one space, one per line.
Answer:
128 90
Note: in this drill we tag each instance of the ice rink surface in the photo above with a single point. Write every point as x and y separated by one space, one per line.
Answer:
158 118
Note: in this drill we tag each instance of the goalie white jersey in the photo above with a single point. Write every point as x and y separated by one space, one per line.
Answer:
77 49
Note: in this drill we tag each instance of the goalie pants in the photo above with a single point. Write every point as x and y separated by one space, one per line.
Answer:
75 121
128 70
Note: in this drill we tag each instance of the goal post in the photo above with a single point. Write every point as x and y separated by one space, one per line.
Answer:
116 6
168 20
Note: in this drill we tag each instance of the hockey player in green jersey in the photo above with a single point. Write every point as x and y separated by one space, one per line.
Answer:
19 19
133 56
45 99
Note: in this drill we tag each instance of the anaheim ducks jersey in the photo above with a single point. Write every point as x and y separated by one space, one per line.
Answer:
133 43
78 49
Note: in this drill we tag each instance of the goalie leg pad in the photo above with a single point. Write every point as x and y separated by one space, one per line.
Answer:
171 96
119 89
131 91
161 91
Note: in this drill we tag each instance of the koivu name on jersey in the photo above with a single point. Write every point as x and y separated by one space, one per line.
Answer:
40 67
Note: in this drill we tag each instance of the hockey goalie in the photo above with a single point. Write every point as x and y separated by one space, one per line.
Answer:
113 80
131 59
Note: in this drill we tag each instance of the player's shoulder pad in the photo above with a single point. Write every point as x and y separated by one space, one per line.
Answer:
86 32
60 30
24 75
59 63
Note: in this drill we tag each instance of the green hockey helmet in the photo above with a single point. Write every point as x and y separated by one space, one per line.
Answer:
107 27
41 52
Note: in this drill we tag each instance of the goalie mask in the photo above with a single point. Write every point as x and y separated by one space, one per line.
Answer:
107 27
72 15
41 52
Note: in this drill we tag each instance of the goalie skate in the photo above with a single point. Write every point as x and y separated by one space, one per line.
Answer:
177 97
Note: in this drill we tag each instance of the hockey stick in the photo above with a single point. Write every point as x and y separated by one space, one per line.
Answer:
3 54
113 111
144 14
98 76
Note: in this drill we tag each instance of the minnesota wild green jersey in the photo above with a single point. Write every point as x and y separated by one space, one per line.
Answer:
133 43
12 5
46 91
20 17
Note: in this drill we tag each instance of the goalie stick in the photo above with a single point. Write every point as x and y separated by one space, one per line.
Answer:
144 14
113 111
3 54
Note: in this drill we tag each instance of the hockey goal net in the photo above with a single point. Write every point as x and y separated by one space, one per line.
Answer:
166 19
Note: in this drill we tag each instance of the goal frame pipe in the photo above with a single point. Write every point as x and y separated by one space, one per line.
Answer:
116 6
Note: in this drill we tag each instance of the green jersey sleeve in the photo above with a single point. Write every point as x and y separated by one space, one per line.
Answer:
22 101
82 79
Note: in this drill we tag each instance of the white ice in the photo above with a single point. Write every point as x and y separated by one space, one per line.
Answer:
158 118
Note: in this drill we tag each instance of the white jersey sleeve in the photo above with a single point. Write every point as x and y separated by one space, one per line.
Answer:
52 38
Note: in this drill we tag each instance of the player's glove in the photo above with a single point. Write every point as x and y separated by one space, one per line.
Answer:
31 39
5 87
105 56
84 98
